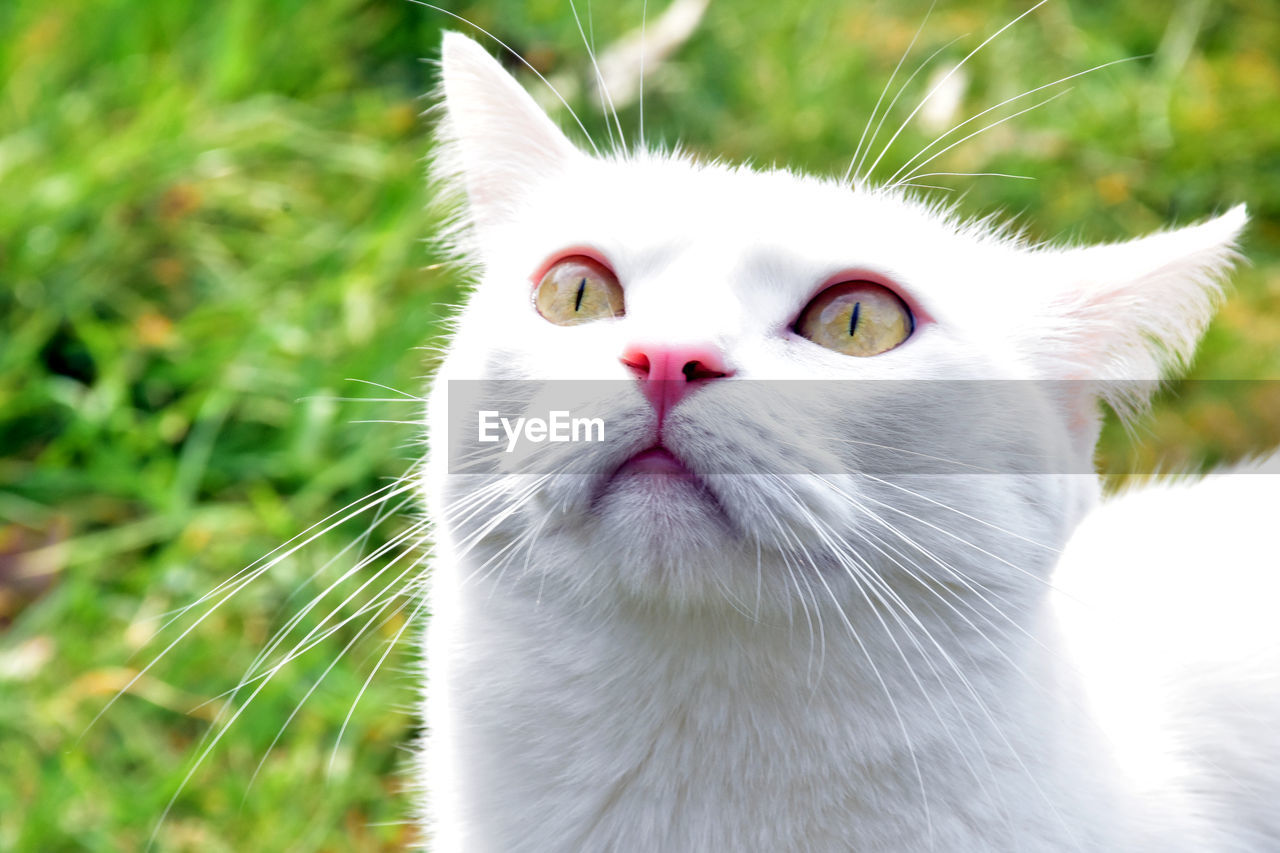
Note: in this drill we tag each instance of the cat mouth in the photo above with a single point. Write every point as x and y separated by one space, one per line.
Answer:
656 461
658 472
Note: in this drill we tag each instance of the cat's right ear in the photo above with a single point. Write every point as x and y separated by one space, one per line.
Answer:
496 144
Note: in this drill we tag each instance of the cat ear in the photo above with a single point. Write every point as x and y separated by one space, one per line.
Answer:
497 144
1123 315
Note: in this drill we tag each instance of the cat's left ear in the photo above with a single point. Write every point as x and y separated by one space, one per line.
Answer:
1124 315
496 143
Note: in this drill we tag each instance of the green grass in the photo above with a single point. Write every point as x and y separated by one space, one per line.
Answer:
211 215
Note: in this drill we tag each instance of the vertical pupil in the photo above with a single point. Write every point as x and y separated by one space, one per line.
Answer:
853 318
582 289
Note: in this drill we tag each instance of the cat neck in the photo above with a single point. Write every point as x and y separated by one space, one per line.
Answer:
636 712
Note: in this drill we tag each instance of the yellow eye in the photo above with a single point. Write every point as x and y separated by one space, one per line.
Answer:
856 318
578 290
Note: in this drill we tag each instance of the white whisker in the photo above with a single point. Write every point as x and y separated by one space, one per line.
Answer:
605 97
942 82
857 166
857 152
1005 102
513 52
980 130
391 644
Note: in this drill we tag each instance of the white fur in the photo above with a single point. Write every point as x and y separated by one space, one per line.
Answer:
841 661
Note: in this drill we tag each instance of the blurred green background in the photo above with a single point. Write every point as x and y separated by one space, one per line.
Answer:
213 215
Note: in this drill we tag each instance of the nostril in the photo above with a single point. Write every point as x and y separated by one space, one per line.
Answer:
694 370
638 362
678 363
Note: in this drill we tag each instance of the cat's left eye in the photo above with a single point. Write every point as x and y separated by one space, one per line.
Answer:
859 318
576 290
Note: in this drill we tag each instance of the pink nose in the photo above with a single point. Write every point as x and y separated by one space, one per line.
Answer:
668 372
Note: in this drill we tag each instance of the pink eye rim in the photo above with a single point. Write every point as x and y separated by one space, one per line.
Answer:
921 316
569 254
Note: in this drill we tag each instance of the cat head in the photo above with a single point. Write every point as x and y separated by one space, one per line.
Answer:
710 291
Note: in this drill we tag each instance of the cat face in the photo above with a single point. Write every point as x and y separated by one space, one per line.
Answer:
787 367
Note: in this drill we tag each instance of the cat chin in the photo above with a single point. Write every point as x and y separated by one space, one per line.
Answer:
658 513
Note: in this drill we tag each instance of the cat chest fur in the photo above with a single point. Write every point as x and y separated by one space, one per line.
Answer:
711 732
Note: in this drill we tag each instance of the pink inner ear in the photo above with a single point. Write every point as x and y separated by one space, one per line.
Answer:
1077 402
497 142
1132 312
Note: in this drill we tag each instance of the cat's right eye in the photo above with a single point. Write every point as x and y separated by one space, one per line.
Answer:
576 290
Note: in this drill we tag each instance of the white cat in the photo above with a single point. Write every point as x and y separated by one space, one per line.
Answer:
748 622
